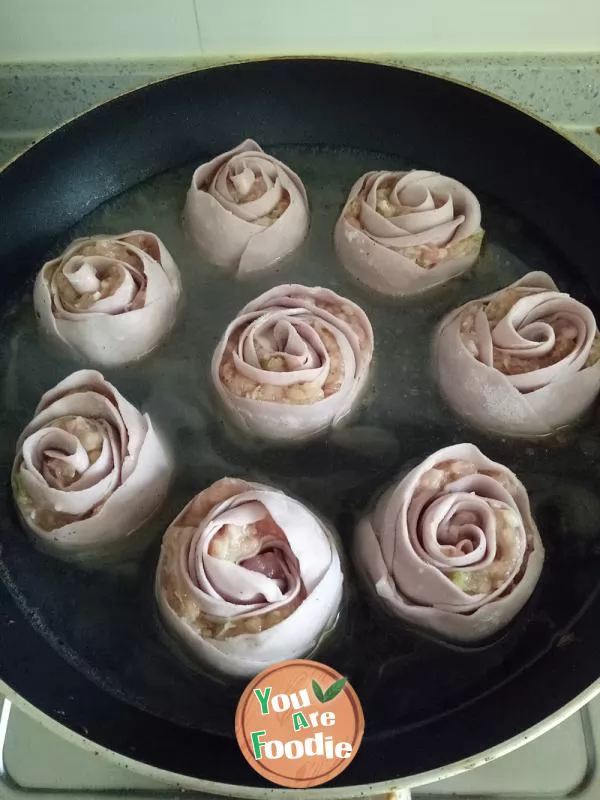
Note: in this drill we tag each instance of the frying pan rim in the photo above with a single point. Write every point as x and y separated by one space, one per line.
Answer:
447 770
188 782
264 60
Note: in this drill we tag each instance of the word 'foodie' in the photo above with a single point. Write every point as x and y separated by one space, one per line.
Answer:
315 745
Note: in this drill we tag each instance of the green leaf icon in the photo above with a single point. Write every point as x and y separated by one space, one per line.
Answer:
318 692
334 689
329 694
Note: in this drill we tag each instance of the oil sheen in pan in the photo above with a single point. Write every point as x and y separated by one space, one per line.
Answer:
103 620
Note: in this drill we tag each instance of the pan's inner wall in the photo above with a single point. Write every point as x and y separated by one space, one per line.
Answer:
402 688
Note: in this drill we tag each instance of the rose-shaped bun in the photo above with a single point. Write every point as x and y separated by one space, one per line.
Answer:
89 468
110 298
403 232
245 209
293 363
247 577
452 547
523 361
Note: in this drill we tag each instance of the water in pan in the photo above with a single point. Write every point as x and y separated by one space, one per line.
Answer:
104 620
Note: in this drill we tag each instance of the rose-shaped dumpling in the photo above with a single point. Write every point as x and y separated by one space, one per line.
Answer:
452 547
403 232
89 469
110 298
523 361
247 577
293 363
245 209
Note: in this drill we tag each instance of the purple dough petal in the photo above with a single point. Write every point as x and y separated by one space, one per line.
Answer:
290 322
109 498
430 219
295 578
400 545
237 232
530 402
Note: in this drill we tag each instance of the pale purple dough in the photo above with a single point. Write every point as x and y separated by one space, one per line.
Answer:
112 497
432 217
194 588
281 322
532 403
237 233
129 322
402 547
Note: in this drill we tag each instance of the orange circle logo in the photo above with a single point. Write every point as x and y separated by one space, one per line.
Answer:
299 723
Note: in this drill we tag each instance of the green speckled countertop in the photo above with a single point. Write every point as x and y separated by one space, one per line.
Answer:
564 89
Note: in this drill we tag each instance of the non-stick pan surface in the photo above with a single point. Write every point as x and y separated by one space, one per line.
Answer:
521 164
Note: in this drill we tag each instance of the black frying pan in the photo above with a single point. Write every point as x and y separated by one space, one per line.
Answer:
543 663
